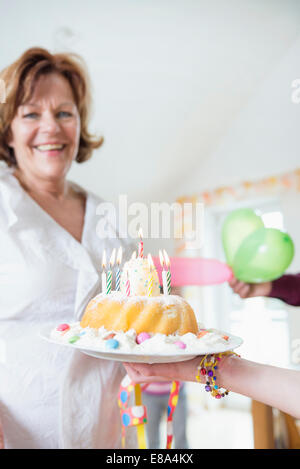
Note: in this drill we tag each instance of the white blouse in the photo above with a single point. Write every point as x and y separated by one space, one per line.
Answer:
51 396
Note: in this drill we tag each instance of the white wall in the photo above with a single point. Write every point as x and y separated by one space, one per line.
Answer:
188 94
263 139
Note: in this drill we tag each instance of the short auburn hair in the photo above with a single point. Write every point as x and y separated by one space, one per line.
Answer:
19 80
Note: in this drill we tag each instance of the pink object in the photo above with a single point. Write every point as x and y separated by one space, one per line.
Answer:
187 271
142 336
109 336
127 286
63 327
180 344
141 249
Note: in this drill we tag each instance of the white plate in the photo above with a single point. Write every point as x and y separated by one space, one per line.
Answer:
233 342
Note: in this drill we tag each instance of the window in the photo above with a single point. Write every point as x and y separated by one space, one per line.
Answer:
261 322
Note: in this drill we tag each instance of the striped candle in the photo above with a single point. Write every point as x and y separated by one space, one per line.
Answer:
141 244
150 277
127 286
150 284
141 249
164 273
108 282
168 282
168 273
109 273
118 273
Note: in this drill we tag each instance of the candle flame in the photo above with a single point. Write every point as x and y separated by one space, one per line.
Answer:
167 260
133 256
112 258
161 258
104 259
119 256
150 262
140 232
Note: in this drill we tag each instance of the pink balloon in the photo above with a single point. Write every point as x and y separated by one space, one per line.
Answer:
188 271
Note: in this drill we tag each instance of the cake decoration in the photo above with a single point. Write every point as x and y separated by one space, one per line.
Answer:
63 327
112 344
109 273
135 277
180 344
136 318
118 273
136 315
142 337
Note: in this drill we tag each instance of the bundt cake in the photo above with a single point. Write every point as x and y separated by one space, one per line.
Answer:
137 320
118 311
165 314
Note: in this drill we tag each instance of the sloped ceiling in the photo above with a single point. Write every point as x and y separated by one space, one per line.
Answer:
169 78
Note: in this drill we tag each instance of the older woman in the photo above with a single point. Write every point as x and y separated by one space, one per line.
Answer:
50 255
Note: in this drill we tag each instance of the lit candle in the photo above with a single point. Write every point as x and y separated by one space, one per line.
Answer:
119 261
109 273
133 256
150 278
164 273
127 285
103 276
167 261
141 244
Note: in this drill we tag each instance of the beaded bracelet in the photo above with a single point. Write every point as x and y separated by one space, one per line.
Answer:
207 367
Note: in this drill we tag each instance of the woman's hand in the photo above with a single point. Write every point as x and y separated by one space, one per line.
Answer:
180 371
249 290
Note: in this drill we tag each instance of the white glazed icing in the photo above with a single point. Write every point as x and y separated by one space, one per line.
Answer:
138 273
157 344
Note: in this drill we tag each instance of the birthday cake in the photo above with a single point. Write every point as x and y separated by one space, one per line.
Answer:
136 318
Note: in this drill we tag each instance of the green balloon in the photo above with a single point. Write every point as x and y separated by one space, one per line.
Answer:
237 226
263 256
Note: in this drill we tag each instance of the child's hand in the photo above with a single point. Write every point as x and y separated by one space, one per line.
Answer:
143 373
180 371
249 290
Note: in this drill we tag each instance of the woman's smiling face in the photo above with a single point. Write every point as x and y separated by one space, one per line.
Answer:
46 130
